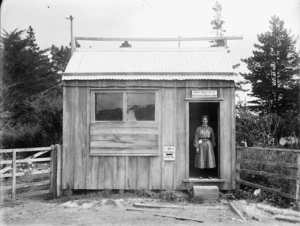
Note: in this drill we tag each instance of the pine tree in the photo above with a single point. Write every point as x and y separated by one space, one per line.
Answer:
272 67
31 103
217 24
27 72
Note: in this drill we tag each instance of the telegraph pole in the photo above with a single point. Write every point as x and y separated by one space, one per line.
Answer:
72 37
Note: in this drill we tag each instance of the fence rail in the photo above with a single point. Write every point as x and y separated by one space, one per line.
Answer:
288 158
55 168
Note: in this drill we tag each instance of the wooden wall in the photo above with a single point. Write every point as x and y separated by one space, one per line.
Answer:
84 169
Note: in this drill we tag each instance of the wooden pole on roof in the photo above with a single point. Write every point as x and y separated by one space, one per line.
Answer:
72 36
159 39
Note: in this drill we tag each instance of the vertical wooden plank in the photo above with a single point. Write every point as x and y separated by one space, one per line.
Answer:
14 178
233 134
126 172
143 172
77 167
175 131
132 173
180 128
68 137
58 170
92 173
187 144
101 172
298 180
109 172
53 171
168 134
120 173
51 188
155 162
81 144
238 167
114 177
225 152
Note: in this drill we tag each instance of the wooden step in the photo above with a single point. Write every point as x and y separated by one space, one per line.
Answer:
207 192
203 180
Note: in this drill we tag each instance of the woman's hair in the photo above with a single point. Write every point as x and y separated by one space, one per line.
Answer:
205 116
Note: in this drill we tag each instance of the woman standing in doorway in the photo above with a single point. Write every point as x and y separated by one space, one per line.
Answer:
204 143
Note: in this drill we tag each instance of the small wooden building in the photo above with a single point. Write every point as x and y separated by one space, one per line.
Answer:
130 115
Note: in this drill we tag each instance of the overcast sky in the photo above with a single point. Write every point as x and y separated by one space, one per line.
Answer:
148 18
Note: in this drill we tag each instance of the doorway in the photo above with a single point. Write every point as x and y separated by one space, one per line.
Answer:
196 110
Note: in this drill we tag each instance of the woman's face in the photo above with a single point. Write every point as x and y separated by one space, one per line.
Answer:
204 121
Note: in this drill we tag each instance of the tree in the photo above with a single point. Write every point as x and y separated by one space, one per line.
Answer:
125 44
272 67
31 103
26 72
217 24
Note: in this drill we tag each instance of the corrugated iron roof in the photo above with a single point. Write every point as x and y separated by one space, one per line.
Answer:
149 64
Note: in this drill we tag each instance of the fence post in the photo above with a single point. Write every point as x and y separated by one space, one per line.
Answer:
238 166
58 170
14 170
52 171
298 182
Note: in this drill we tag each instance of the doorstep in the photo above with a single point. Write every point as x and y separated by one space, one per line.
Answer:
203 180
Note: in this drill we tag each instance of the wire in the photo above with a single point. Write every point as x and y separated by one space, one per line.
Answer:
161 17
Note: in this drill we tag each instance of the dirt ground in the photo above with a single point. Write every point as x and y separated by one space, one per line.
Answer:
113 210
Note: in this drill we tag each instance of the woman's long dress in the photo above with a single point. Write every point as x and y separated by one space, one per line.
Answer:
205 140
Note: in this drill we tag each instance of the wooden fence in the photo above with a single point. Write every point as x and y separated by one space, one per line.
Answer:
279 165
54 181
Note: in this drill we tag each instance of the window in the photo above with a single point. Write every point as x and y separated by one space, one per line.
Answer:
108 107
140 107
124 106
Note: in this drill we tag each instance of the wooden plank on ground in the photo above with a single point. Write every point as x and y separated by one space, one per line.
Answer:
236 210
145 205
287 219
179 217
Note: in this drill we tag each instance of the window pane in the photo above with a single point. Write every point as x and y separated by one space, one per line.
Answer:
109 107
140 106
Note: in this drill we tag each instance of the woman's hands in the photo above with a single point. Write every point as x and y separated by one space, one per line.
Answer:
197 150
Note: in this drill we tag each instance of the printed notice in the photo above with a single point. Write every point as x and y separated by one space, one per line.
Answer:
208 93
169 153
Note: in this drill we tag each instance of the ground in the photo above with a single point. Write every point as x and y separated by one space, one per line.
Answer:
112 209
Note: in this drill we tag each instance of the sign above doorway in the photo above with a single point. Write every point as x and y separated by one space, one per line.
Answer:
205 93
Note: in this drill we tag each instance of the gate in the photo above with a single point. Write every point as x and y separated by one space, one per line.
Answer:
36 174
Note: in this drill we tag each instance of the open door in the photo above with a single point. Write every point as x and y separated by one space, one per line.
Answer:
196 110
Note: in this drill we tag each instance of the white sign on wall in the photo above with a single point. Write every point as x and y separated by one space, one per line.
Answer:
204 93
169 153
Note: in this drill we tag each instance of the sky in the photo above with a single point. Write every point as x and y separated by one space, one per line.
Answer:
149 19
